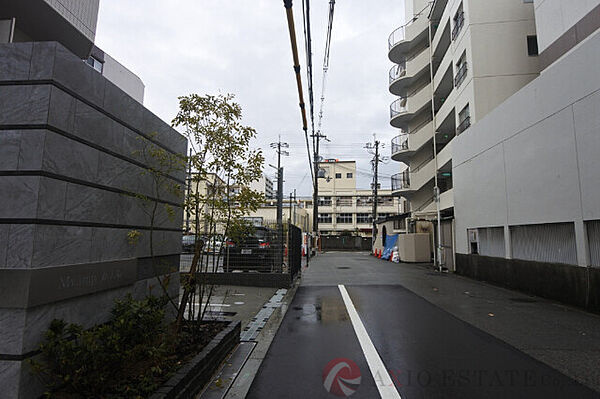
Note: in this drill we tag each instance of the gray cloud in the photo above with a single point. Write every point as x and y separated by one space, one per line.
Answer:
242 47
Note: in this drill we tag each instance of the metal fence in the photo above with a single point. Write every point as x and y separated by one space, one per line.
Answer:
266 257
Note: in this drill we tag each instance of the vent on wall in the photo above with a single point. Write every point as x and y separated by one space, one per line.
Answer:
552 243
593 233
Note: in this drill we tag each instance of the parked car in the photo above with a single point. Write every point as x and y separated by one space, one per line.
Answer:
213 244
257 251
188 243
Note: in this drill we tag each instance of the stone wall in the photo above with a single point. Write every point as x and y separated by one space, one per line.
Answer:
71 174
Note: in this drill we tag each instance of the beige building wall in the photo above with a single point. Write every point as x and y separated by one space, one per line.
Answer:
340 176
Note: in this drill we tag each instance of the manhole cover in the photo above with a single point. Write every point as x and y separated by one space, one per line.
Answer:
343 267
523 300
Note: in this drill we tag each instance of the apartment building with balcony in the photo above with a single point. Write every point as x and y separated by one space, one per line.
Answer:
527 187
343 207
455 61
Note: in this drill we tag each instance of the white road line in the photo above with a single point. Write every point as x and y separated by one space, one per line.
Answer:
384 382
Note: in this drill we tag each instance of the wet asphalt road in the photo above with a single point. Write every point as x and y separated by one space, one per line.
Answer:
427 352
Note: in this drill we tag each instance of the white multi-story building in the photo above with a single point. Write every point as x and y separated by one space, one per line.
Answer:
526 180
263 185
455 61
343 207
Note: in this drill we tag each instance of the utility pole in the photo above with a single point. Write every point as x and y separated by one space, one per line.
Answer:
290 209
278 146
294 217
375 185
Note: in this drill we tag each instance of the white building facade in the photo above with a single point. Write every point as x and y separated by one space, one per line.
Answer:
526 181
455 61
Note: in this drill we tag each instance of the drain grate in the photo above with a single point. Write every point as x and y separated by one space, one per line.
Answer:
212 313
343 267
258 322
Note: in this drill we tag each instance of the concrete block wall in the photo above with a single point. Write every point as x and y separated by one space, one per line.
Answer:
71 173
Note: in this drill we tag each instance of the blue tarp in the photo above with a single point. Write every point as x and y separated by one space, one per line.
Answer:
390 243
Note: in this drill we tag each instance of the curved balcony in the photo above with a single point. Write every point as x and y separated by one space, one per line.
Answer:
397 44
400 148
401 183
397 72
405 108
404 74
405 38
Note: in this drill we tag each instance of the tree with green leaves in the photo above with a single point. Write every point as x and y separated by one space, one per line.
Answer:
223 165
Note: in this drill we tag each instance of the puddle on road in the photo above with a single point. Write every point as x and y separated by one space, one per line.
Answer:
323 311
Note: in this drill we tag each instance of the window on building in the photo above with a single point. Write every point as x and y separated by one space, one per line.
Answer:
324 218
364 201
400 224
464 120
324 201
461 69
343 201
459 21
385 200
95 63
349 175
344 218
532 45
364 218
338 175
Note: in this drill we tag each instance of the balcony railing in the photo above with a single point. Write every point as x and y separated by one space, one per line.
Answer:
398 107
395 37
401 181
398 71
464 125
459 21
460 74
400 143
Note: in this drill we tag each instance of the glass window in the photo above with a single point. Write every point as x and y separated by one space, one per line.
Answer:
94 63
343 201
362 218
344 218
338 175
324 201
349 175
364 201
324 218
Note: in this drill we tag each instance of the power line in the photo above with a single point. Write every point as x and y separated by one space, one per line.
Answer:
292 31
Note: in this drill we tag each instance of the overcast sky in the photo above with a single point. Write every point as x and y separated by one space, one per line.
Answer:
178 47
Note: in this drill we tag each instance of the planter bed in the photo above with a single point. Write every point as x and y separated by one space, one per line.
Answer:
196 373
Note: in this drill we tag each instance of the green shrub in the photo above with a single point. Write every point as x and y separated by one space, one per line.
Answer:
123 358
